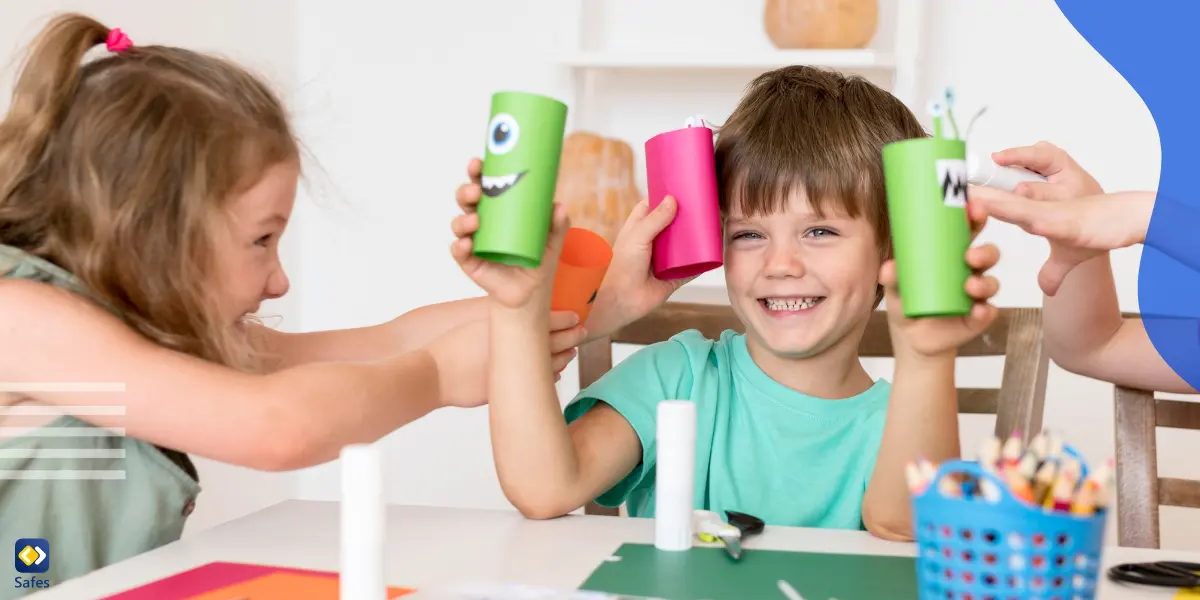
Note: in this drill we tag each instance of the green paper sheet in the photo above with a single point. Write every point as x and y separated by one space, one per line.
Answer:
709 574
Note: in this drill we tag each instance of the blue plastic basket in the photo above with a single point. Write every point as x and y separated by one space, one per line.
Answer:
972 548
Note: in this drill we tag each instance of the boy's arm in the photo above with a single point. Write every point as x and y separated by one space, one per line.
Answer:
922 413
922 422
547 468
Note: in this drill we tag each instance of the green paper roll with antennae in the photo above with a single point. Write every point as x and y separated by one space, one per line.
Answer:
520 171
926 182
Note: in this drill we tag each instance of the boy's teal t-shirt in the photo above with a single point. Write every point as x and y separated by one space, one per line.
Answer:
761 447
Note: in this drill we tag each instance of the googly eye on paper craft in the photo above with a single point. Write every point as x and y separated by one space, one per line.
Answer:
948 97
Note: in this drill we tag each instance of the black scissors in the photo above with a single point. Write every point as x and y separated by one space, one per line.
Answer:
748 525
1161 574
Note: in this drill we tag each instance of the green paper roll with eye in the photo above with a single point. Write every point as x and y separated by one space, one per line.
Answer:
520 172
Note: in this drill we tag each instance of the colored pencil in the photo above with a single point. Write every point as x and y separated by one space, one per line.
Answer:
1040 473
1011 453
1084 502
916 483
989 454
1043 480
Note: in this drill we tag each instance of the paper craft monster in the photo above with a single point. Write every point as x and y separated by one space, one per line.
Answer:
520 172
523 148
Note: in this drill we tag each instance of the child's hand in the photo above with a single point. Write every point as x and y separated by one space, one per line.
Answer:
1065 180
630 289
510 286
941 336
461 355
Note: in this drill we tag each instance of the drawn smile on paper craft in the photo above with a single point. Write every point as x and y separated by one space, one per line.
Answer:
499 176
952 177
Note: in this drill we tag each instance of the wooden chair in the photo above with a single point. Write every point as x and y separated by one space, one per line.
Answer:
1016 335
1140 491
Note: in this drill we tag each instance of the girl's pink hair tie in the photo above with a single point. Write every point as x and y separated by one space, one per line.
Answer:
118 41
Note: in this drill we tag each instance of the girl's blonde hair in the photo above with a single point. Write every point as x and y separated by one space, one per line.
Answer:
119 169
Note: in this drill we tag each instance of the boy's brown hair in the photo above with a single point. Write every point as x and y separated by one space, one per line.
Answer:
815 128
120 169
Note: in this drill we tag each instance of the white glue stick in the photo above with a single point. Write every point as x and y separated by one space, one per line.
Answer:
362 524
675 475
982 170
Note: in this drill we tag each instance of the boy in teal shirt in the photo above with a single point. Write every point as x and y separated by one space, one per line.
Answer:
790 427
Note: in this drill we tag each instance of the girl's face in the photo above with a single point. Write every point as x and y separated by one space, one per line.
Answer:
248 254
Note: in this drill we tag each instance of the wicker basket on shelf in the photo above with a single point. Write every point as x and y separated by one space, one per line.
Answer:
821 24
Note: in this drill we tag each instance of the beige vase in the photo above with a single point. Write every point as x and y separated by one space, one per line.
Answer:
596 183
821 24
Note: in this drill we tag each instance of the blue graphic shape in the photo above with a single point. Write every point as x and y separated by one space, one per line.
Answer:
1152 44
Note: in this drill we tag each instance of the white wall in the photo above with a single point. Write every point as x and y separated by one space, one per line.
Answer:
392 100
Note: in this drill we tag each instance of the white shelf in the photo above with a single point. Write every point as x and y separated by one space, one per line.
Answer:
753 61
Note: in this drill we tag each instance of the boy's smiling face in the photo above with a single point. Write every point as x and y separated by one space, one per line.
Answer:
799 281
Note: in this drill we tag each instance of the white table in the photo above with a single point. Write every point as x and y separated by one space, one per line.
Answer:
431 546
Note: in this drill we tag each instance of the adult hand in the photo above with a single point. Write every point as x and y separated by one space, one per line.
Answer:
1078 229
1065 180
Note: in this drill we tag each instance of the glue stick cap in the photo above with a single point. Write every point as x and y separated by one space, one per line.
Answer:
979 172
983 171
677 420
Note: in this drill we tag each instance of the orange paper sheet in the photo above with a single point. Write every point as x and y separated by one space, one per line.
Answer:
581 268
286 586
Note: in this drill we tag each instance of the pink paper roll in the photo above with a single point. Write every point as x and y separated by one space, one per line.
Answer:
681 164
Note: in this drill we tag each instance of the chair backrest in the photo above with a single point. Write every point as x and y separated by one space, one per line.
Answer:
1016 334
1140 491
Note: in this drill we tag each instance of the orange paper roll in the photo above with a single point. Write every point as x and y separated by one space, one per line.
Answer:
581 268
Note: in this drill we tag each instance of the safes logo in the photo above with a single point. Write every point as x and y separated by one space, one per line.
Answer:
31 555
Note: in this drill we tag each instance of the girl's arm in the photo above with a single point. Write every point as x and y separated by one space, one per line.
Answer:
547 468
290 419
410 331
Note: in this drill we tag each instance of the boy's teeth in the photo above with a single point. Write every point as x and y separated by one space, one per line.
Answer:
790 303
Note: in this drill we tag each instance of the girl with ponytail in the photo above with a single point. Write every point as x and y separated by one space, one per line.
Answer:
142 198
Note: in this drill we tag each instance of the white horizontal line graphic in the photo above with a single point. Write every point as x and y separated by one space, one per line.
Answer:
41 410
68 474
62 453
60 386
61 432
